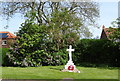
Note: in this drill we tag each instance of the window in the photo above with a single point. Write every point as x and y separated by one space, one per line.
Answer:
4 42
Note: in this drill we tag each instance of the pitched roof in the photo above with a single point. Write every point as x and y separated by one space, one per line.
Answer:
107 31
6 35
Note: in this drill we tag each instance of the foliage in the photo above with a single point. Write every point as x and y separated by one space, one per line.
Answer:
96 52
63 29
28 48
48 29
3 57
87 11
115 35
32 46
51 39
115 32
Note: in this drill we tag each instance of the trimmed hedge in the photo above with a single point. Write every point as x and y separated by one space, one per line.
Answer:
96 52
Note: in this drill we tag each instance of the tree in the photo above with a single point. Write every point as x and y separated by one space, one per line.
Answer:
115 35
78 16
28 50
48 29
115 32
86 11
31 47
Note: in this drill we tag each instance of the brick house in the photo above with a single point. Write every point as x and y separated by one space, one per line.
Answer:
6 39
105 32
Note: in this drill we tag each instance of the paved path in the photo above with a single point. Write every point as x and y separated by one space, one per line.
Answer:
67 79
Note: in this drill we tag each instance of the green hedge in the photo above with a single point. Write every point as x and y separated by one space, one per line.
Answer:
4 61
96 52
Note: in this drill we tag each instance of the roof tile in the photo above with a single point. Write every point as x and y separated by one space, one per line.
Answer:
9 35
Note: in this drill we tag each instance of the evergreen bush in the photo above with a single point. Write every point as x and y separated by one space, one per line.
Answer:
97 52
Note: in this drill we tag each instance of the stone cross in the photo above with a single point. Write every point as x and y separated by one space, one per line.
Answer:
70 52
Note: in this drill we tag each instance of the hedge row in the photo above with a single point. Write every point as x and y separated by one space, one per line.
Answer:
88 52
96 52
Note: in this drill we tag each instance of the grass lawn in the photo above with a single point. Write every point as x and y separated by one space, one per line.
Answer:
53 72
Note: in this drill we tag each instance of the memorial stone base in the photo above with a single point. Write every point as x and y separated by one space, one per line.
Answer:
75 70
70 67
68 64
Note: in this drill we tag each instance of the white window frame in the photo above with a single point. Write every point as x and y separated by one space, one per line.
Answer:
3 42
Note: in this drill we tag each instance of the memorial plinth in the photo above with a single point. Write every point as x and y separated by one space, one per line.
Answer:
70 67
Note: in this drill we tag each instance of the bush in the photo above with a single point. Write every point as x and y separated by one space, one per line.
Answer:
4 61
37 58
59 58
97 52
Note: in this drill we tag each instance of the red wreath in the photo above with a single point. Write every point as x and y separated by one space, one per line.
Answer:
71 67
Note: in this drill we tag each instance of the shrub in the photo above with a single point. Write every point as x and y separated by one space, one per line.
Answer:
4 61
59 58
96 52
37 58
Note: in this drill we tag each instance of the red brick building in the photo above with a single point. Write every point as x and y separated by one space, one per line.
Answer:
6 39
105 32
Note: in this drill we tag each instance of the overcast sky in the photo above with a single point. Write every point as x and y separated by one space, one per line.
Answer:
108 13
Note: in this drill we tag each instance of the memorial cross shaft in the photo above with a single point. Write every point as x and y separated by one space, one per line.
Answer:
70 52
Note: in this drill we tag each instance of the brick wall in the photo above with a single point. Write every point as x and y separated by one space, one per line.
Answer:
9 43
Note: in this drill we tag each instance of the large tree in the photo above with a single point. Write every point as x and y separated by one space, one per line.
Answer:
49 27
60 17
87 11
